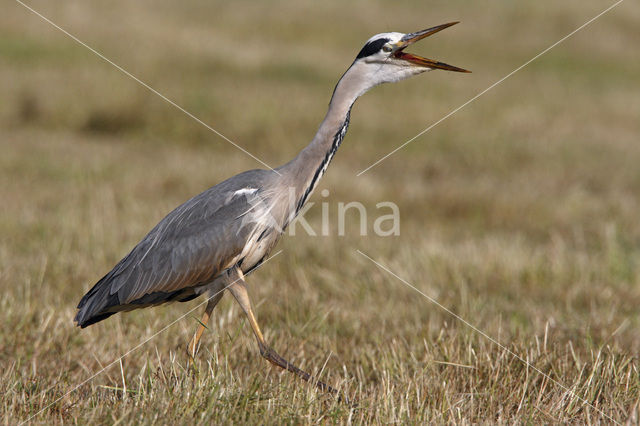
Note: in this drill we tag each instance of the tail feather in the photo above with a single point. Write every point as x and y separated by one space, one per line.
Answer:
99 301
94 319
99 304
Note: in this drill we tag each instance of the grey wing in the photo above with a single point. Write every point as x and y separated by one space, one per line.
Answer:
189 247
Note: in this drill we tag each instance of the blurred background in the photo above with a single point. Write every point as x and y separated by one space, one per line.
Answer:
519 212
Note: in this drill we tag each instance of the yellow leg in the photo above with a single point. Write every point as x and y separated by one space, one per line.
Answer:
192 348
239 291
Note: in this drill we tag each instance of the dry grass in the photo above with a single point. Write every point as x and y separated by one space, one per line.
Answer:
520 213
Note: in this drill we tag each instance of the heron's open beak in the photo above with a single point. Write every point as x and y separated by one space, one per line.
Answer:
419 60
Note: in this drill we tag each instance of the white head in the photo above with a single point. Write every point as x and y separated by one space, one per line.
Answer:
383 60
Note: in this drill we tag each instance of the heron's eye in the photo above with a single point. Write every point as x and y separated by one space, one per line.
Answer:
387 48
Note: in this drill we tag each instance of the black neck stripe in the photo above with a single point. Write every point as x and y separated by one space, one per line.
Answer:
337 140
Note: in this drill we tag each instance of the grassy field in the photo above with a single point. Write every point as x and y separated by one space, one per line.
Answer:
519 213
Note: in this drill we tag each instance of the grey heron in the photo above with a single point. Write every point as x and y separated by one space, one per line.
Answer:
209 243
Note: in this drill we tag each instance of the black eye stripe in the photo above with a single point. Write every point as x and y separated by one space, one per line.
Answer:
372 47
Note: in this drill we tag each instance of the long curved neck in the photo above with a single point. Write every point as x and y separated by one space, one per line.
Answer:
305 170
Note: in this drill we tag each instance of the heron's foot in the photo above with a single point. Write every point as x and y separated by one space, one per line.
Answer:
239 291
192 347
192 351
273 357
